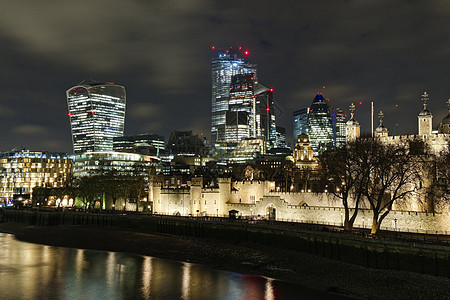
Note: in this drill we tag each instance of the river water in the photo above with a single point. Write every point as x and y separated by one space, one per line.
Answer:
34 271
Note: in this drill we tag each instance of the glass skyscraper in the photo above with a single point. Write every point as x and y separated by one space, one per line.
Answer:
339 125
320 126
97 115
224 66
250 112
300 121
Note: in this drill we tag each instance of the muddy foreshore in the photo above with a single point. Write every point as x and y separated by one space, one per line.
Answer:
249 258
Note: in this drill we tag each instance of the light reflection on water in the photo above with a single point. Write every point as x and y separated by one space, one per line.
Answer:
33 271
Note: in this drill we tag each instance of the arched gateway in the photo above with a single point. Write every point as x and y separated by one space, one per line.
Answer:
271 211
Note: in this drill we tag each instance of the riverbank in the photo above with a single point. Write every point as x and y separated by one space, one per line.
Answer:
249 258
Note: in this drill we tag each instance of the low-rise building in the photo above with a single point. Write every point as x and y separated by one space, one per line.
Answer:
21 171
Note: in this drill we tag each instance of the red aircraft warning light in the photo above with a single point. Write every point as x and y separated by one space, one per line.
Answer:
246 52
270 90
213 47
268 108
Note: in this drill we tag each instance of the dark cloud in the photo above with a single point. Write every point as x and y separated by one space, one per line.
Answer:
382 51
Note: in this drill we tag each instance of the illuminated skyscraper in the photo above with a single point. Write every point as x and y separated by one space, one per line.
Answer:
300 121
339 126
320 126
250 112
224 66
97 114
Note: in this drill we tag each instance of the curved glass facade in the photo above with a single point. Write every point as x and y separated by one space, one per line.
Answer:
97 114
320 126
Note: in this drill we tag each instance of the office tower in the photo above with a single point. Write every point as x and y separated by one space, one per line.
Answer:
300 121
320 126
97 115
239 118
250 112
224 66
281 137
124 164
339 127
146 144
185 143
265 122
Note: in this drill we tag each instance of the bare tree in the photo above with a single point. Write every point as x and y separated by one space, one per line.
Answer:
344 172
441 186
392 175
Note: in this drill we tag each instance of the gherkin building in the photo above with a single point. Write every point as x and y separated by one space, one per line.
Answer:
320 126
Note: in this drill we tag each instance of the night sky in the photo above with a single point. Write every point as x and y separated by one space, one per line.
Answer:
387 52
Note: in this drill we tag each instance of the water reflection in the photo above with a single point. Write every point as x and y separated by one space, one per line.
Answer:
32 271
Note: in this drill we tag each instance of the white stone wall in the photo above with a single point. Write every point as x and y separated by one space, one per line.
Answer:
299 207
249 191
395 220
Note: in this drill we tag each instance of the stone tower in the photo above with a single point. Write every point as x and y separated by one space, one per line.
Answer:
381 131
444 127
425 118
352 128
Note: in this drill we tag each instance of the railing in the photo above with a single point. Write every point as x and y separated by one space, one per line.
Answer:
91 218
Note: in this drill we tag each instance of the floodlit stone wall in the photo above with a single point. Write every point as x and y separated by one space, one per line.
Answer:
256 199
395 220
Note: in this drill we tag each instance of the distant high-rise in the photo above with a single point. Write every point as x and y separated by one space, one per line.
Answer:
300 121
320 126
146 144
250 112
339 128
281 137
97 115
224 66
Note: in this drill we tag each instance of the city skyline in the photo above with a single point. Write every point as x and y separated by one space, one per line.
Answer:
388 53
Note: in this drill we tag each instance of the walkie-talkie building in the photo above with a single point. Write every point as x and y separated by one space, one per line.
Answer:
97 115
